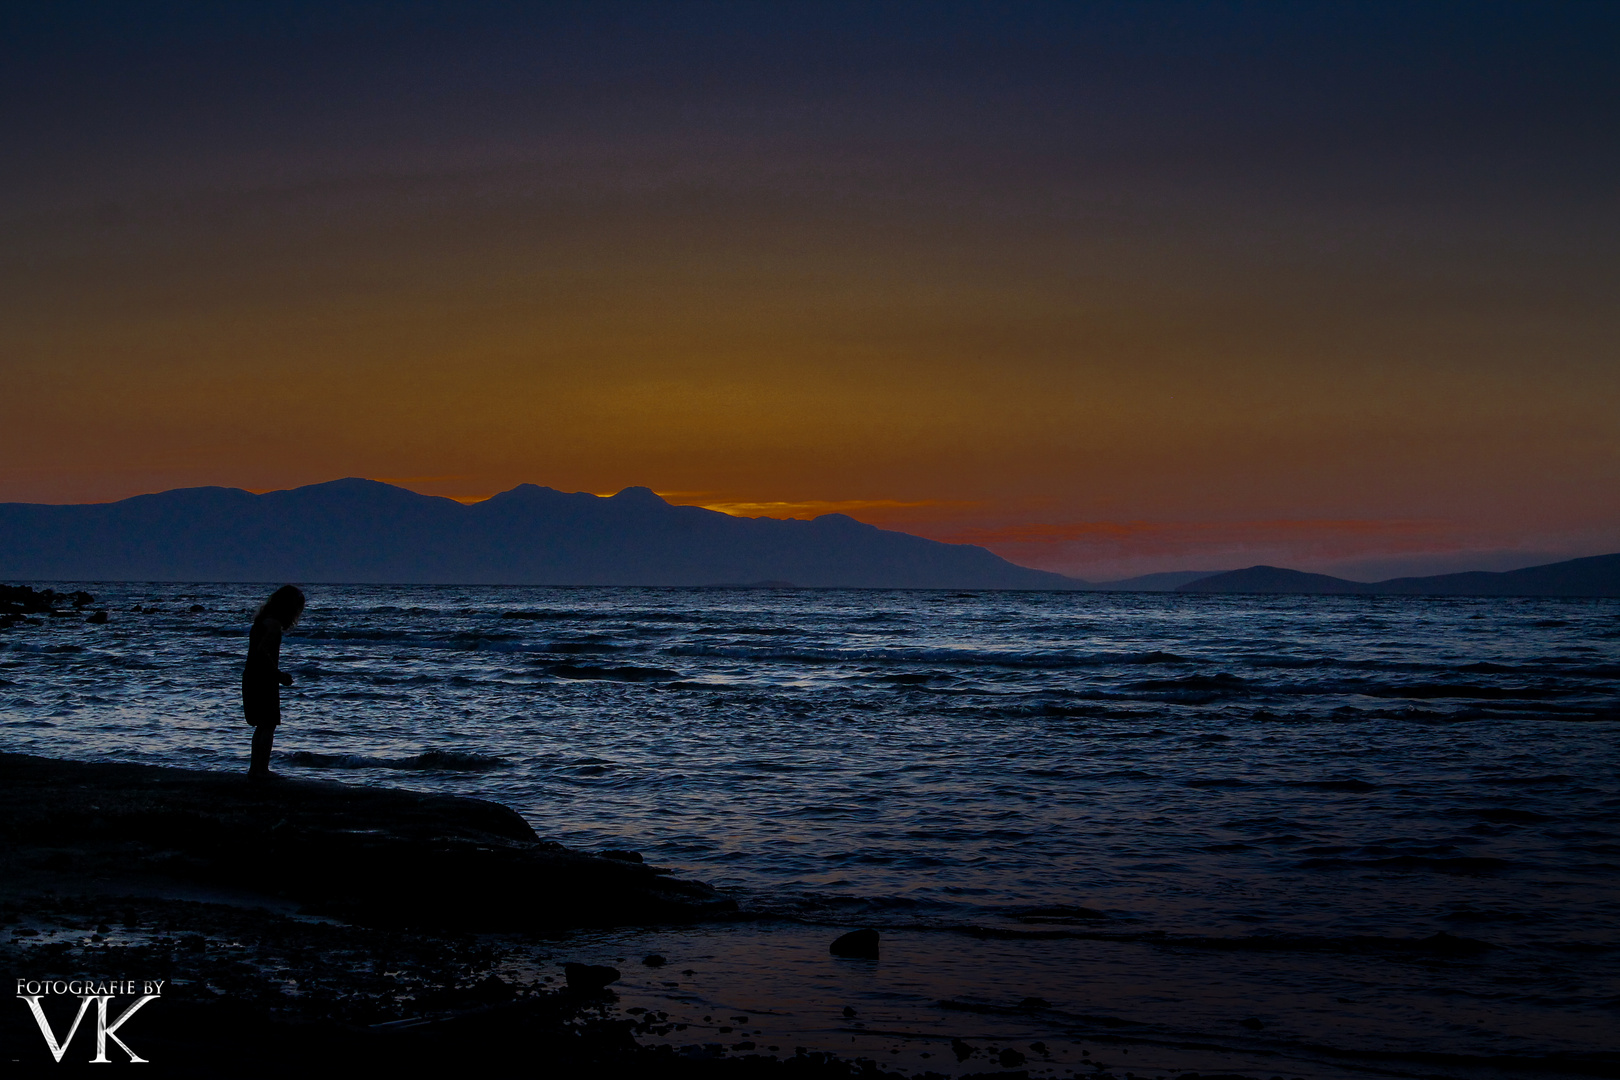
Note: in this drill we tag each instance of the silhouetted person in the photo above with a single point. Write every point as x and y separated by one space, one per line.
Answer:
262 677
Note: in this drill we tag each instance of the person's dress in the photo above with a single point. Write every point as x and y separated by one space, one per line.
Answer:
261 675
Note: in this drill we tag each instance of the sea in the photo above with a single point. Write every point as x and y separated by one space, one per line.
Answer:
1135 832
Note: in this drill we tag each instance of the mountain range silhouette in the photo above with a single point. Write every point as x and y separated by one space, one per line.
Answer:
357 531
1598 575
363 531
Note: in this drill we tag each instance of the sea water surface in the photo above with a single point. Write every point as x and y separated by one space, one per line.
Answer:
1088 821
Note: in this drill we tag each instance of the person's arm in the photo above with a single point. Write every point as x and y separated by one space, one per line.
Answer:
283 677
264 655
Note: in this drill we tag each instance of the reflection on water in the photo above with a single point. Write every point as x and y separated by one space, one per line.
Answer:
1323 777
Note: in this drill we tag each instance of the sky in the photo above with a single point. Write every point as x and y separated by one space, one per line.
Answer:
1108 288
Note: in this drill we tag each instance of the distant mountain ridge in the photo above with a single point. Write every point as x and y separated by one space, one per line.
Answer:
357 531
363 531
1597 576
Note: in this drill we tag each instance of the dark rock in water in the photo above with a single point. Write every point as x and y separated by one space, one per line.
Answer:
98 618
622 856
1034 1003
1010 1058
856 945
374 856
493 988
962 1050
589 978
654 960
849 1013
1253 1023
18 602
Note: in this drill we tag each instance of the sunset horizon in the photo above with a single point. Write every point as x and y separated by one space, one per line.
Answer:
911 539
1110 289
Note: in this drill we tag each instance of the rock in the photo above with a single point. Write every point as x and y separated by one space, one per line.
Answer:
98 618
962 1050
622 856
374 856
17 602
1034 1003
856 945
1253 1023
1010 1058
849 1013
653 960
589 978
493 988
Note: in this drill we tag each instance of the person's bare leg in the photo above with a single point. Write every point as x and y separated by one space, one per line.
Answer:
259 765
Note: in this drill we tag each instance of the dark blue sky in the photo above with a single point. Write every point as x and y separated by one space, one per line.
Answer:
1232 274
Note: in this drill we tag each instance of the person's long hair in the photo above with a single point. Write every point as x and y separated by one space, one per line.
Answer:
285 605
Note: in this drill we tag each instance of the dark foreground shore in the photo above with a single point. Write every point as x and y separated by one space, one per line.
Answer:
370 856
297 923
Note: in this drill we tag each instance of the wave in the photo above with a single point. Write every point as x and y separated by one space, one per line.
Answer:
1425 691
588 616
1346 784
965 657
763 631
1461 866
1438 944
427 761
612 674
569 647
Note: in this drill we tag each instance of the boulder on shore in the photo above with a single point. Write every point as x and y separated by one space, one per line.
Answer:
857 945
375 856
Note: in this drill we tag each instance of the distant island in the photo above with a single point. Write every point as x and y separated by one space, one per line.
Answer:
363 531
1598 575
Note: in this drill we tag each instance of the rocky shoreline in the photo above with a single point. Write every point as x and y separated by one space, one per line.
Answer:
298 922
369 856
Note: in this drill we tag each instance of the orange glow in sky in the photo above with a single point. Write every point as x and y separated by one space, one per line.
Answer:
1100 312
